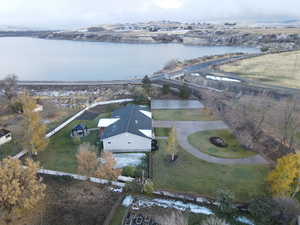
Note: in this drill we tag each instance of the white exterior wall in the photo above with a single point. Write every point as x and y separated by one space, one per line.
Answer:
127 142
5 139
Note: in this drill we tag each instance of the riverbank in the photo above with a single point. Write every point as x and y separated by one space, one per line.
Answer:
275 39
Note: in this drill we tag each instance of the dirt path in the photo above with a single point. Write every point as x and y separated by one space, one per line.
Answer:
186 128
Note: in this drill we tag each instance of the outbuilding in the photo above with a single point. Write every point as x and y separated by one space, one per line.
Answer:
80 130
5 136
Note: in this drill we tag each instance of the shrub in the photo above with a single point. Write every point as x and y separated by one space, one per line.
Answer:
225 198
76 140
148 187
138 172
264 49
166 89
140 96
146 82
129 171
261 210
16 107
185 92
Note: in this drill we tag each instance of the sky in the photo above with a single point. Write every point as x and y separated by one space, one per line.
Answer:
80 13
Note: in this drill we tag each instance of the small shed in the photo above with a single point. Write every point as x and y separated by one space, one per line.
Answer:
5 136
80 130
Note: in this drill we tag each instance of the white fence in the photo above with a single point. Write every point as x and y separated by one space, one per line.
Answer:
79 177
20 154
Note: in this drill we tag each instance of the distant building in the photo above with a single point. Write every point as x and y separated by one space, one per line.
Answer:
5 136
129 130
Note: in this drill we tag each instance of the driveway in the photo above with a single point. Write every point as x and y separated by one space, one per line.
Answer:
186 128
175 104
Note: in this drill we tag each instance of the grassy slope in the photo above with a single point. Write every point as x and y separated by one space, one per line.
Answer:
201 141
191 175
61 152
182 115
277 69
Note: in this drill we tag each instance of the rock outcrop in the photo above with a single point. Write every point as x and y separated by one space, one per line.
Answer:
274 39
272 42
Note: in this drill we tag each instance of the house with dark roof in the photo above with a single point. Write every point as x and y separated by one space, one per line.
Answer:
5 136
129 130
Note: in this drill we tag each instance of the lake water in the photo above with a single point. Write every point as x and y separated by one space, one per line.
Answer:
38 59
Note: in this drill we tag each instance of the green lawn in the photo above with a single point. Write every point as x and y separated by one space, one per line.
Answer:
201 141
118 216
9 149
61 152
183 115
162 131
192 175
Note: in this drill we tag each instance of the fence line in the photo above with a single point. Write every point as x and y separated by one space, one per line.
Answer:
20 154
80 177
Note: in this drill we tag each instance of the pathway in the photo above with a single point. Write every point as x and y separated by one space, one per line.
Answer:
186 128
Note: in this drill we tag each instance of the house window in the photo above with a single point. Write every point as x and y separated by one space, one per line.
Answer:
109 142
129 142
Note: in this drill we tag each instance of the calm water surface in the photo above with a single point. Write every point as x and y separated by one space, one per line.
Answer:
38 59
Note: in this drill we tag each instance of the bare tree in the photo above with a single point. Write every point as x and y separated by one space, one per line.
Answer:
106 169
251 112
10 86
87 159
285 120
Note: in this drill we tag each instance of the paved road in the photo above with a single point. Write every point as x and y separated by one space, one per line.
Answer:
203 66
186 128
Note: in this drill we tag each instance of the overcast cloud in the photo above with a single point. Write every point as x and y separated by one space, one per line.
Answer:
76 13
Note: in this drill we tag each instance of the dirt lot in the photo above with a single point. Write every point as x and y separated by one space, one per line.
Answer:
71 203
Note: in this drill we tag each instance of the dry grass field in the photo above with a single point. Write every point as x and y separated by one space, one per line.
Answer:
276 69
